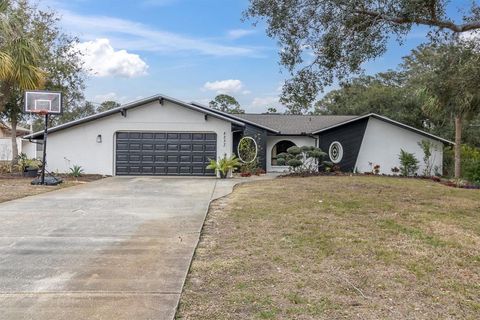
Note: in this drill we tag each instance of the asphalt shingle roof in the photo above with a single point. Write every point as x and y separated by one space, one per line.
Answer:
294 124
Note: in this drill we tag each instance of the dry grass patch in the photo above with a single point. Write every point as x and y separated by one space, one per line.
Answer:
15 187
338 248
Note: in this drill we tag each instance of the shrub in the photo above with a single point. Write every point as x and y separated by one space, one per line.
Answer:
428 156
304 159
247 153
24 162
471 170
76 171
408 163
224 165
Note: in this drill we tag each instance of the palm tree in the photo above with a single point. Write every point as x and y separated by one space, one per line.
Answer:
19 63
449 75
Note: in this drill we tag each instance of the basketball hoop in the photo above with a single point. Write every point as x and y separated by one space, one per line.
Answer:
40 112
43 103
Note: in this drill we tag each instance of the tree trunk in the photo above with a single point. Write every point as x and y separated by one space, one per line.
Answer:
458 145
13 124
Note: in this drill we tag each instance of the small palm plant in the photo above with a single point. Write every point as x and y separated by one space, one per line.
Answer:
224 165
76 171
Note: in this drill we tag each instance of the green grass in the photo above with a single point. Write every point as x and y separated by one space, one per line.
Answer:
338 248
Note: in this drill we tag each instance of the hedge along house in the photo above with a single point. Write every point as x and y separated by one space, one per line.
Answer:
160 135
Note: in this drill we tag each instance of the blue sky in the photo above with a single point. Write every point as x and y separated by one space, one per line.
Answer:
187 49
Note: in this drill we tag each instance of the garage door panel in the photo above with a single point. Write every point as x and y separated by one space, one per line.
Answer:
160 146
147 158
147 146
122 158
135 146
211 136
198 159
122 135
164 153
134 135
160 159
185 170
185 147
172 147
148 135
185 136
197 147
210 147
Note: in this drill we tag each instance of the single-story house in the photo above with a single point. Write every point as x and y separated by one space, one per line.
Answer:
6 140
161 135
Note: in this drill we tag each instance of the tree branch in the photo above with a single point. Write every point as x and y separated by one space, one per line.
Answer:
430 22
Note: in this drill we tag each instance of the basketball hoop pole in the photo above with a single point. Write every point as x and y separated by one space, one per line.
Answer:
44 164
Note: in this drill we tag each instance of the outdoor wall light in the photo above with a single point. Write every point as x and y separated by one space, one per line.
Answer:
99 138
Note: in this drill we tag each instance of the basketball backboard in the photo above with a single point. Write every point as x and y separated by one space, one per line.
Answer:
43 102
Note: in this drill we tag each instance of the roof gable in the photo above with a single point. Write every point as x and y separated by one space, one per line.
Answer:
388 120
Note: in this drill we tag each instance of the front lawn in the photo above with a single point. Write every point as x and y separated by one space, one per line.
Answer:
338 248
15 187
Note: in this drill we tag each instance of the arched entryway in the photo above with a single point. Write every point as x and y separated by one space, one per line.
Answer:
280 147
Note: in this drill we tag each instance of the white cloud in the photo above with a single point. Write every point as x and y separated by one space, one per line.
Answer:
265 102
136 36
110 96
224 86
239 33
101 60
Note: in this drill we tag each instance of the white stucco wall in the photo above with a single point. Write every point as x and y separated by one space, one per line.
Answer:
78 145
6 148
30 149
299 141
382 143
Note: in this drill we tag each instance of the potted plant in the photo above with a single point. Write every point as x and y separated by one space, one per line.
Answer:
224 165
31 168
28 167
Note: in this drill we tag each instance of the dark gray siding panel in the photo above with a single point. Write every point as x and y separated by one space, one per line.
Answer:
350 136
260 136
164 153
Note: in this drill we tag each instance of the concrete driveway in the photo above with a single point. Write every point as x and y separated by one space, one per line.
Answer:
117 248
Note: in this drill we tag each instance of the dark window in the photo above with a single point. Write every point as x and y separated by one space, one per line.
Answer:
280 147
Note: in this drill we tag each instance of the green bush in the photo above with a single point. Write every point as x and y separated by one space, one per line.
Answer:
471 171
470 163
248 155
224 165
408 163
76 171
304 159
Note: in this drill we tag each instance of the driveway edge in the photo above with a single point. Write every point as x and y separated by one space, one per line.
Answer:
226 190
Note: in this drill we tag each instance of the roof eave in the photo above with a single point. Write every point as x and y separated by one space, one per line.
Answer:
130 106
233 117
374 115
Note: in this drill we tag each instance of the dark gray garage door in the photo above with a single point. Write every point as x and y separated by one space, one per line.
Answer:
165 153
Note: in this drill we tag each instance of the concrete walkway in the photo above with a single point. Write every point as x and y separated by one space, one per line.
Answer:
118 248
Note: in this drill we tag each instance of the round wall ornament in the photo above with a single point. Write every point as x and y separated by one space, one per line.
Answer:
247 150
335 152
